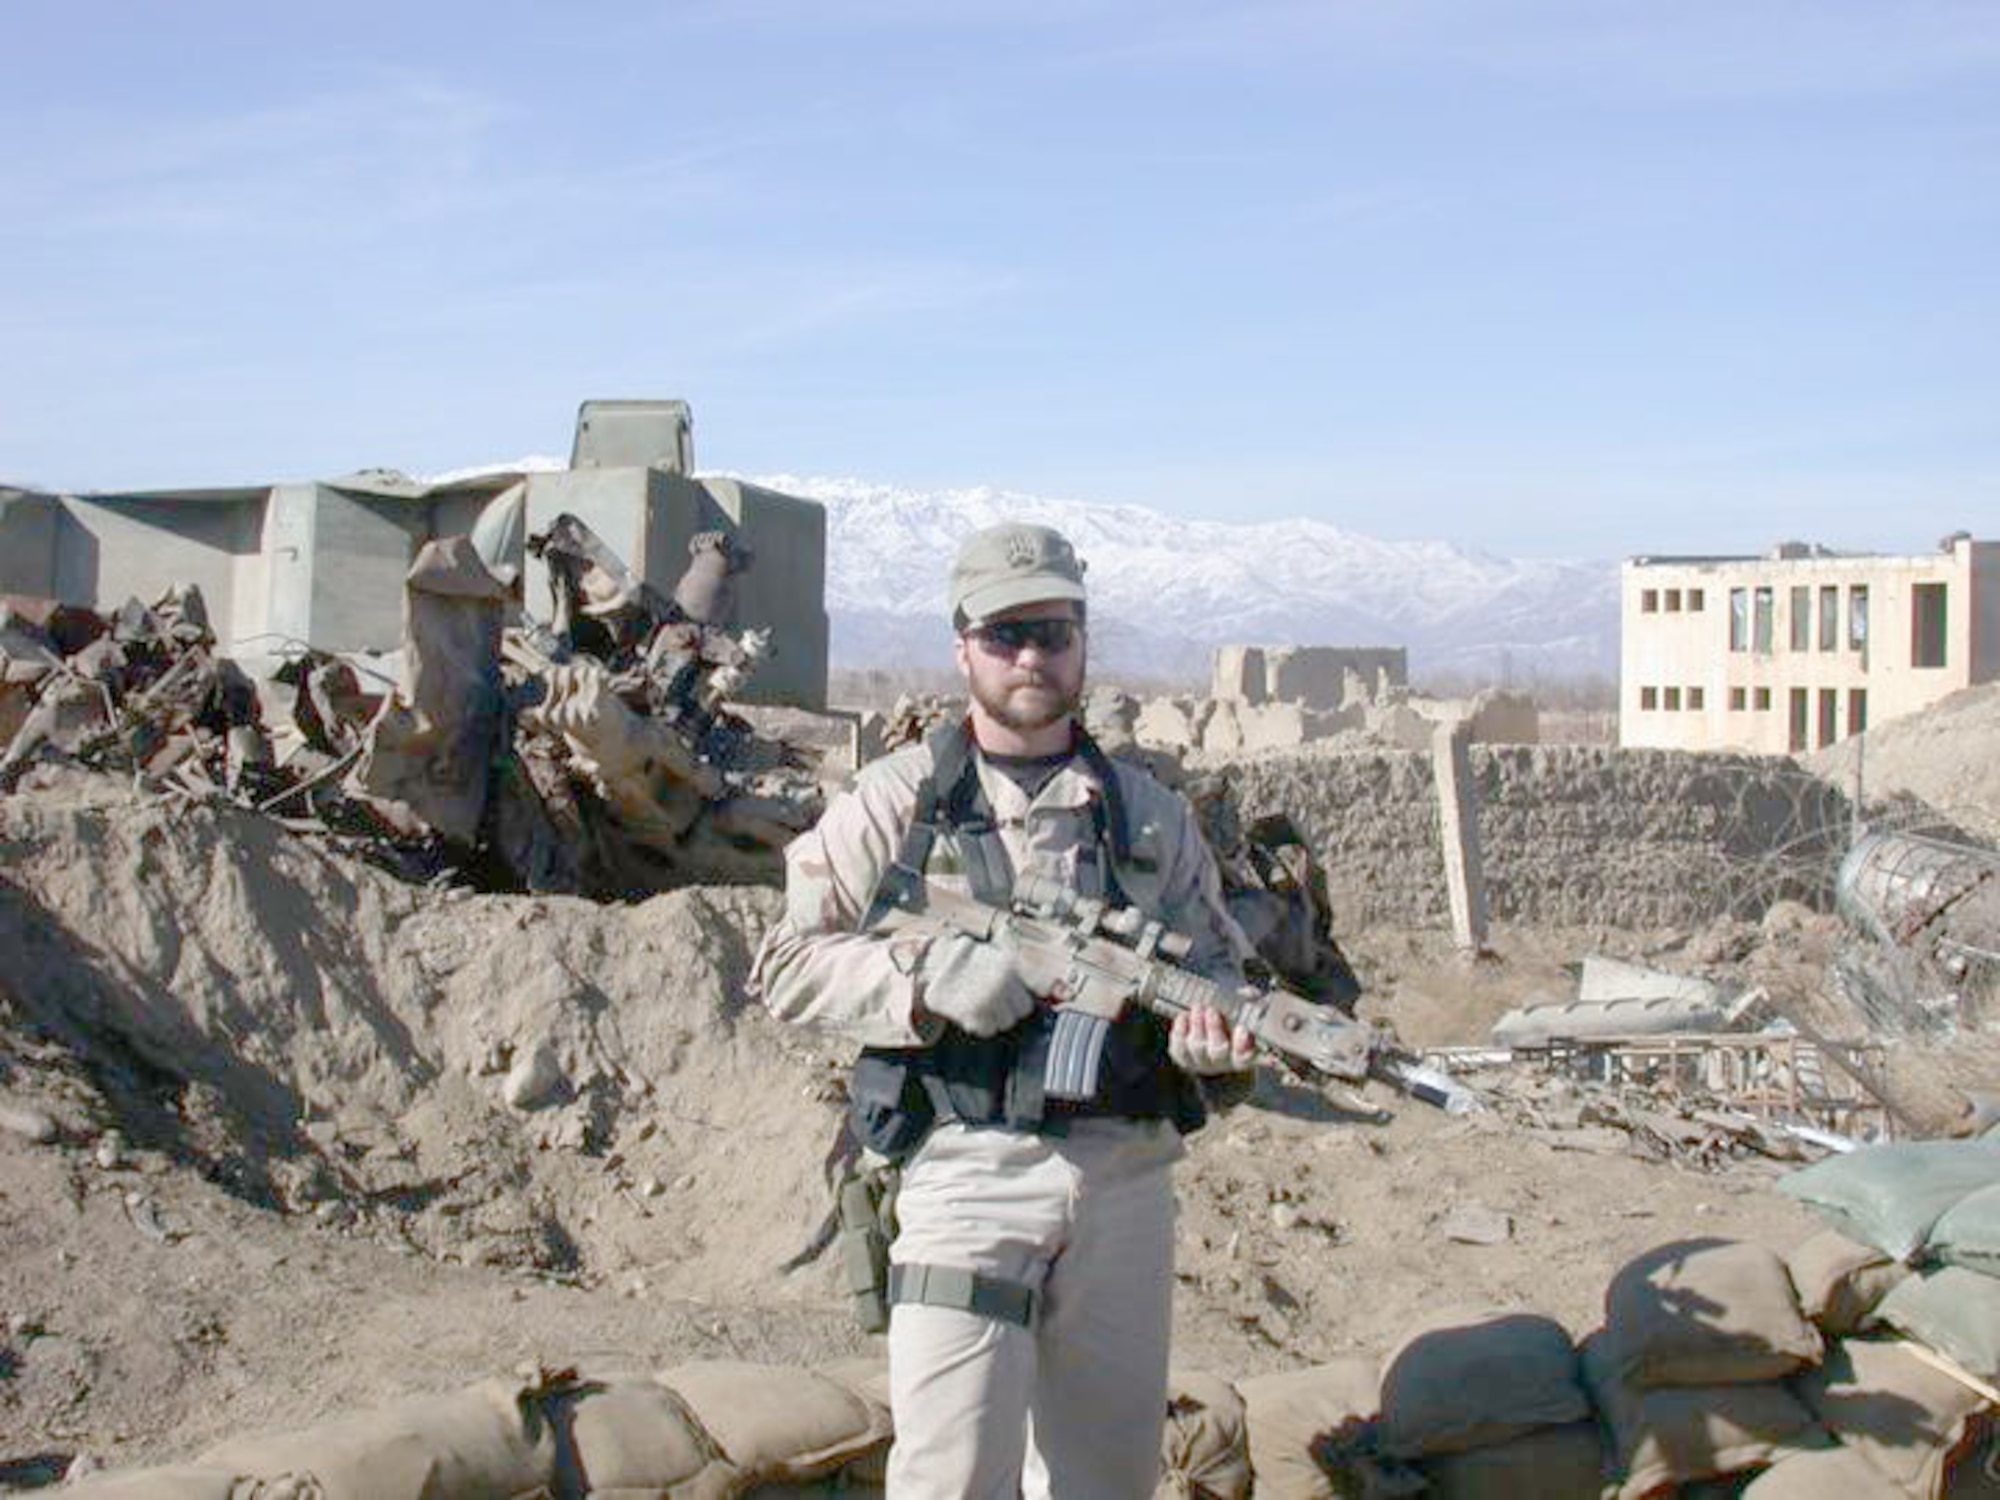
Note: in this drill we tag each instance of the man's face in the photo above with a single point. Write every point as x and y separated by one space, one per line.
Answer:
1024 666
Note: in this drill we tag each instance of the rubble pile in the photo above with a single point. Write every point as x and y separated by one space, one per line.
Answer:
591 755
1676 1068
1657 1123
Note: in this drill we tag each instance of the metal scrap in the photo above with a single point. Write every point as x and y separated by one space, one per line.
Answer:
594 754
1698 1100
1927 912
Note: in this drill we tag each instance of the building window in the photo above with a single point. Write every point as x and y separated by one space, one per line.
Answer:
1673 699
1649 699
1829 717
1739 619
1801 705
1801 612
1857 710
1695 697
1927 620
1763 700
1649 601
1673 601
1767 608
1694 601
1857 618
1739 699
1829 617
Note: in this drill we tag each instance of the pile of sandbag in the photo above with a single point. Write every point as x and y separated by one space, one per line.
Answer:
1690 1373
1906 1279
1720 1370
710 1430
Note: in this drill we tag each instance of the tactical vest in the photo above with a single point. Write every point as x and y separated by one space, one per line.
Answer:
897 1093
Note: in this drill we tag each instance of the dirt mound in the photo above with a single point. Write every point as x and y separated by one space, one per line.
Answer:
484 1076
1947 757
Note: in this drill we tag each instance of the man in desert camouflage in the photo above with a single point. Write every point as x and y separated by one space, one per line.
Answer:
1032 1273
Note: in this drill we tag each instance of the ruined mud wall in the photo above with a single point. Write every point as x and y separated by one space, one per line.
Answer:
1571 835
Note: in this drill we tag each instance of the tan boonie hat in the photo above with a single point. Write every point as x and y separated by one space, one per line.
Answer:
1011 564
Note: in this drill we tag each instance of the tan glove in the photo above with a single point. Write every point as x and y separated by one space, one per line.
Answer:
971 984
1202 1043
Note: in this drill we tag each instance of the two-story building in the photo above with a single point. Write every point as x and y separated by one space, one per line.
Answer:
1792 651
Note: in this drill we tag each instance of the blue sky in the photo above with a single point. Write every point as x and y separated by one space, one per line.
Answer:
1549 277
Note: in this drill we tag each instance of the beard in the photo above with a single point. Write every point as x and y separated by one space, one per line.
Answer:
1030 704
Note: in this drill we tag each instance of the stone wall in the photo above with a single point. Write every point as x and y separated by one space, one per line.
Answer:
1571 835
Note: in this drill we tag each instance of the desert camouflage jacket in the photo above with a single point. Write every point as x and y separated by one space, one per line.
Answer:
815 969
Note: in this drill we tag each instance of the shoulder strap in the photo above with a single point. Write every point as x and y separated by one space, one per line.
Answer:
950 796
1112 827
942 791
952 788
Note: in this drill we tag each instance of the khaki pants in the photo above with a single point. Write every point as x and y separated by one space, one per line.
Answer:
1071 1406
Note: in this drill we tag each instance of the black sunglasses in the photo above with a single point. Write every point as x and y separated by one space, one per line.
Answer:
1012 637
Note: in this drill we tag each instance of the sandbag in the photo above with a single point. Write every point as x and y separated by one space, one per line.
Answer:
1952 1310
1968 1233
634 1439
1834 1474
1891 1196
1839 1281
1287 1414
1204 1449
1909 1419
1663 1436
488 1440
867 1375
775 1423
1554 1463
1705 1312
1473 1382
176 1482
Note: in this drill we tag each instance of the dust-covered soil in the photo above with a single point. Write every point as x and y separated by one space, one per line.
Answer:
1943 757
321 1138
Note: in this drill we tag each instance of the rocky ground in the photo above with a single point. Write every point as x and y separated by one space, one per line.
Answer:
320 1138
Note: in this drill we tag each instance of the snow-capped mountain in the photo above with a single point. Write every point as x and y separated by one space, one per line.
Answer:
1165 591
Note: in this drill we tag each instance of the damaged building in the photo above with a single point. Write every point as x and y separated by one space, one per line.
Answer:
464 677
321 563
1800 648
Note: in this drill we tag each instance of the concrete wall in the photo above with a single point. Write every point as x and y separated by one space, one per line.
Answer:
118 547
325 564
611 502
1575 836
785 589
648 516
28 527
364 550
1682 686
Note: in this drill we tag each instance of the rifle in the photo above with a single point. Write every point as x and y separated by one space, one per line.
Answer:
1089 960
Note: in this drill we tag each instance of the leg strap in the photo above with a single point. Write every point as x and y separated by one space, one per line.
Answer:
968 1291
